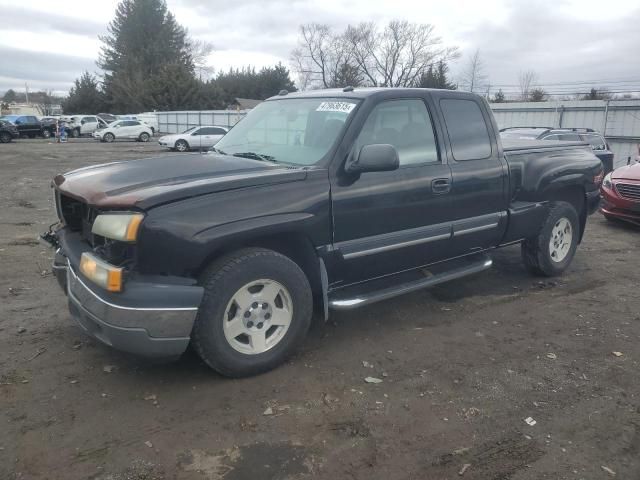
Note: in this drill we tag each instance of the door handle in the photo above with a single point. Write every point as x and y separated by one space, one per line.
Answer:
440 185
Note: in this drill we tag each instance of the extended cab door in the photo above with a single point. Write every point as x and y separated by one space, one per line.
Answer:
479 187
385 222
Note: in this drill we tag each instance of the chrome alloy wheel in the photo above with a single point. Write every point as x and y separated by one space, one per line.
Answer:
560 242
258 316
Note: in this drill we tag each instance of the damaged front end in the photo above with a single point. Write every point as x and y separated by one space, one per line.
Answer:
110 299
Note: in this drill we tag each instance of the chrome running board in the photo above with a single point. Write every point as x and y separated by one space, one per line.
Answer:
394 285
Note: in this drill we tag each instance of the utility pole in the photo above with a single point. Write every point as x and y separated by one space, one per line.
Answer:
26 91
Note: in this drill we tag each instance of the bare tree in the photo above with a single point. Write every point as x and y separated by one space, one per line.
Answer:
474 77
322 59
527 79
200 51
398 54
395 56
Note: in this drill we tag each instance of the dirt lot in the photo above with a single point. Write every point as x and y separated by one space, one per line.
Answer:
463 366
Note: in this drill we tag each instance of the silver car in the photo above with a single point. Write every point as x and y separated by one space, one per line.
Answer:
194 138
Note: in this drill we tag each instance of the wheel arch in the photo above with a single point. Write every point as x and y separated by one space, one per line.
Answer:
293 244
574 195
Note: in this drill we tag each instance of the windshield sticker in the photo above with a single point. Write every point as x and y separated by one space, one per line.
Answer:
343 107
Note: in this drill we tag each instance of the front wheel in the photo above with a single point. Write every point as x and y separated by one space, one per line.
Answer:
46 133
551 252
256 310
75 133
181 146
144 137
5 137
108 137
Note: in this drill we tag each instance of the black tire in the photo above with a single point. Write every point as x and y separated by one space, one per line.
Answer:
75 133
46 133
536 253
5 137
221 281
182 146
32 135
144 137
108 137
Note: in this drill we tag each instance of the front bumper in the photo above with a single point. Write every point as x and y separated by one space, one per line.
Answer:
148 319
615 206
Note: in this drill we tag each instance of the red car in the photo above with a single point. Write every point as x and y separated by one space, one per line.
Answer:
621 194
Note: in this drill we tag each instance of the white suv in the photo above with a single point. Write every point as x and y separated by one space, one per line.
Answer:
84 125
124 129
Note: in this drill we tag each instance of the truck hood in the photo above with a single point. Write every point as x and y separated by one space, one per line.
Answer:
628 172
149 182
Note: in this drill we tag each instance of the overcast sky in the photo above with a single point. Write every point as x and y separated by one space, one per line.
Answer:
571 41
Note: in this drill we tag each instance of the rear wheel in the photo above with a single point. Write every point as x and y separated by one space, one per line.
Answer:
255 311
144 137
46 133
75 133
108 137
552 251
181 146
5 137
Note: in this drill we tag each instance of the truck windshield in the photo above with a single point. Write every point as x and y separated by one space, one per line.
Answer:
293 131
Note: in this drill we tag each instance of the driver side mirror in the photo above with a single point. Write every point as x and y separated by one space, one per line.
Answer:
378 157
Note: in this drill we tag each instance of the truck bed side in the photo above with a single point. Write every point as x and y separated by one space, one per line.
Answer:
541 172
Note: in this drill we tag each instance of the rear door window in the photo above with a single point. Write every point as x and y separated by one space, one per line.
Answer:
466 128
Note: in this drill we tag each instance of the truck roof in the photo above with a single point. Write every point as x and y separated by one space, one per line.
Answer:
361 92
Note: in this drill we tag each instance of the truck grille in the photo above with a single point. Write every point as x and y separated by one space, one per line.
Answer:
629 191
77 215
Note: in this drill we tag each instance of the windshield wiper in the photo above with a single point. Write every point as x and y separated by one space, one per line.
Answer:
255 156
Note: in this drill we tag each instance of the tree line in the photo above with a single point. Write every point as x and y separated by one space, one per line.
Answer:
151 63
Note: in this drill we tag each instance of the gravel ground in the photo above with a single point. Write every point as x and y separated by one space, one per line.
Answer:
462 366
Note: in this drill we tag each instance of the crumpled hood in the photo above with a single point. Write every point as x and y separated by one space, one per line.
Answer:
628 172
148 182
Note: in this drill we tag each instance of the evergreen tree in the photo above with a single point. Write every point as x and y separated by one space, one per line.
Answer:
85 96
436 77
247 83
272 80
10 96
143 40
498 97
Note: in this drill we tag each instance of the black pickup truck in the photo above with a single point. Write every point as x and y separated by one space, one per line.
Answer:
330 199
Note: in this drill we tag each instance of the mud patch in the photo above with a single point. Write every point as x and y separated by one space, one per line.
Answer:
138 470
259 460
496 460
